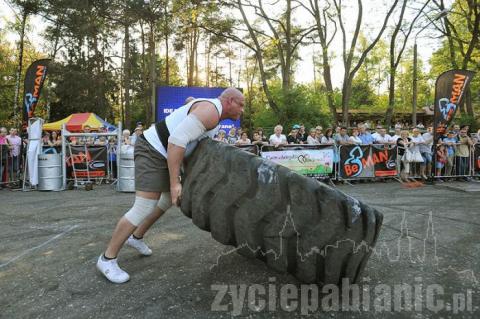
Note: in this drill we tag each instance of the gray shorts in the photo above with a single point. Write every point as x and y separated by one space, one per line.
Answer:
151 170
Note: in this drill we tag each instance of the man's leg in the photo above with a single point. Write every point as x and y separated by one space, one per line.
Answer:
145 203
126 226
148 222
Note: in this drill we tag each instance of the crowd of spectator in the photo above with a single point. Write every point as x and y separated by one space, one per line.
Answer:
452 152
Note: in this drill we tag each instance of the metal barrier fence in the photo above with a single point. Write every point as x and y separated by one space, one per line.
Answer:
10 166
454 163
89 161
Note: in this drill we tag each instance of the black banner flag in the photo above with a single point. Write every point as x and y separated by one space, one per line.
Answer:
34 78
449 90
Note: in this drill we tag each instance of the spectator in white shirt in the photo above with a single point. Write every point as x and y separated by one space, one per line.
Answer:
278 139
354 139
311 139
327 139
383 137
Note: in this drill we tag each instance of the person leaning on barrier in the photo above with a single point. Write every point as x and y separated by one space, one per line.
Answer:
312 139
364 135
16 142
402 144
450 143
342 137
383 137
426 152
319 133
257 139
328 139
244 140
463 153
159 153
277 138
262 136
354 139
292 137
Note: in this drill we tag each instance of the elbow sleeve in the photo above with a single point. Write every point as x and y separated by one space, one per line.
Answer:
190 129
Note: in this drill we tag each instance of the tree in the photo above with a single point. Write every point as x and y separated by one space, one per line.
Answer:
397 47
348 54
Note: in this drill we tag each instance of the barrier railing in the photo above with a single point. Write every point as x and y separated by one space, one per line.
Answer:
89 161
476 159
454 164
367 161
310 160
10 166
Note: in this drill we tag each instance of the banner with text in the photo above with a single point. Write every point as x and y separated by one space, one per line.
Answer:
367 161
308 162
89 162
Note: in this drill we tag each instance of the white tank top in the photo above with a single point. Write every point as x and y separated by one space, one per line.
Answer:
173 120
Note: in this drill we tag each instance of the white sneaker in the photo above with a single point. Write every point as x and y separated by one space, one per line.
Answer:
139 245
111 270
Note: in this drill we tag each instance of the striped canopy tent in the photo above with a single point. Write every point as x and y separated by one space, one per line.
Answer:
76 123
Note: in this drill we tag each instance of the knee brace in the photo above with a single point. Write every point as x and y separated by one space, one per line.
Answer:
165 201
140 209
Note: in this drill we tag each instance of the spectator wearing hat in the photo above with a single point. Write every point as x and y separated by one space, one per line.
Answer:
292 137
278 139
426 151
136 133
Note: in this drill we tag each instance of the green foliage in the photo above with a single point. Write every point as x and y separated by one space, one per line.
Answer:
305 105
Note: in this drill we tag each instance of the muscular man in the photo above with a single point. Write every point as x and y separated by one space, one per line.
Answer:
159 153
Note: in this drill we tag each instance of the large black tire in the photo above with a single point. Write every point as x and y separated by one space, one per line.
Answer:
294 223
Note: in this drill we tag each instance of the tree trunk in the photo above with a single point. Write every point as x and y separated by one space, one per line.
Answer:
126 77
17 111
151 109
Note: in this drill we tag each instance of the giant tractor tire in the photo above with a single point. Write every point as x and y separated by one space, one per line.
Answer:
294 223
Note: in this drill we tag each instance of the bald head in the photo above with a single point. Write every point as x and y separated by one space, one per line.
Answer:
231 93
232 103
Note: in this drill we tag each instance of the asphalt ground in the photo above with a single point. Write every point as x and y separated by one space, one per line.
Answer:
50 241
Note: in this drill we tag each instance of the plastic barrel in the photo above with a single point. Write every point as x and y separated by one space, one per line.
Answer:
50 177
126 172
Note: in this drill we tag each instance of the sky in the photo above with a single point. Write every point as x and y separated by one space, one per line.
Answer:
373 15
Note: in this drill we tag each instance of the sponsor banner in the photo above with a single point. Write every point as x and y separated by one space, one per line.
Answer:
308 162
385 159
90 161
476 157
355 162
34 79
367 161
449 91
